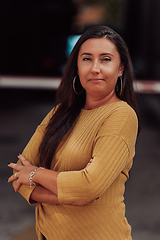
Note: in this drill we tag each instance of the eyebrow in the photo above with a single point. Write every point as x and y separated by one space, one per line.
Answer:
102 54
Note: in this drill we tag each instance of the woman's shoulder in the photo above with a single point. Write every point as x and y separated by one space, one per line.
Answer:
121 120
122 105
116 109
122 110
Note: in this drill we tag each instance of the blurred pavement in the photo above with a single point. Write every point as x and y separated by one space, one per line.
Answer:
22 110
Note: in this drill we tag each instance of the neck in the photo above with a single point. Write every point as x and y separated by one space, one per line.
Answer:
92 103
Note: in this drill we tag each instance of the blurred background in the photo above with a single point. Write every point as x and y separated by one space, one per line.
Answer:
36 38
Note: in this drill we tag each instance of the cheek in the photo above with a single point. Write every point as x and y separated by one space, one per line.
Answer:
82 72
109 72
81 76
112 71
79 69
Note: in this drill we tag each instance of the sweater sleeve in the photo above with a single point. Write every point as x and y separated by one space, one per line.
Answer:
112 147
31 154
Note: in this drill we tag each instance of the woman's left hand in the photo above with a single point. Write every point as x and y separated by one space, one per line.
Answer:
22 174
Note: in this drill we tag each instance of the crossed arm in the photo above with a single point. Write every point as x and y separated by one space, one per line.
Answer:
46 180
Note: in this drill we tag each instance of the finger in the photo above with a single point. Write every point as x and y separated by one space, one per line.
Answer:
13 177
23 160
15 166
17 186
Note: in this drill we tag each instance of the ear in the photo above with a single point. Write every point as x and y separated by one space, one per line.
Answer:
121 69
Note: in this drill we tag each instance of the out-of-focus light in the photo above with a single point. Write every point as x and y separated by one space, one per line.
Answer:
71 41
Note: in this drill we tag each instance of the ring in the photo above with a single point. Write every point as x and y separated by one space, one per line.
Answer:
15 175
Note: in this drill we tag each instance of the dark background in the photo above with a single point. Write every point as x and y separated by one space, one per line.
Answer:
33 34
142 34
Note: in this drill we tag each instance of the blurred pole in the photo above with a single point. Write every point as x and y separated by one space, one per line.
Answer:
142 34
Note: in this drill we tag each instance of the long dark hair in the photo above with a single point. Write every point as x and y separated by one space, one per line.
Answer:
69 104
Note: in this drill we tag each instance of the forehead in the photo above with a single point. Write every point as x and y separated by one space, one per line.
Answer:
98 45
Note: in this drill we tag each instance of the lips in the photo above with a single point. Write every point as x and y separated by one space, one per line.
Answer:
96 80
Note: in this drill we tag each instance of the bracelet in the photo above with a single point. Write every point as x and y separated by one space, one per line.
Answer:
31 176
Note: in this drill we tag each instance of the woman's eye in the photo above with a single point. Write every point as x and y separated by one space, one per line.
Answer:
106 59
86 59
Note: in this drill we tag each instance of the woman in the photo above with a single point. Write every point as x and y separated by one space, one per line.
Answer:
77 162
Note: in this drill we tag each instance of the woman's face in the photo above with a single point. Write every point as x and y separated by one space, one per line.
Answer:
99 67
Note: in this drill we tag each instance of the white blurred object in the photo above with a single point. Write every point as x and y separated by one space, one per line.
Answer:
29 82
140 86
145 86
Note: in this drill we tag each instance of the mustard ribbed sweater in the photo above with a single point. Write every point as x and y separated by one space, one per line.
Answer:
108 135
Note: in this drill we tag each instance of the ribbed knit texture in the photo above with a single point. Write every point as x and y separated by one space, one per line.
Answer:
108 135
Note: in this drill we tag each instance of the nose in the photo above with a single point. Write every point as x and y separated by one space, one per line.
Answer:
95 67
